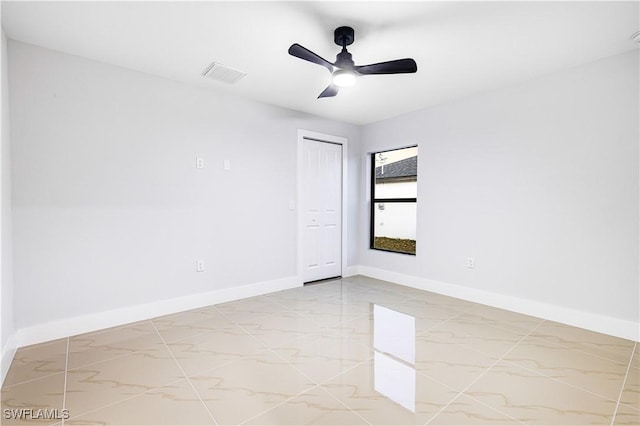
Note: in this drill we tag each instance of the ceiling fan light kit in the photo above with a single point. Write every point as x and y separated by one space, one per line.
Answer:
343 78
343 70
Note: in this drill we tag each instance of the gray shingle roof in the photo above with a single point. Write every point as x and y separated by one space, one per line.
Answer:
400 169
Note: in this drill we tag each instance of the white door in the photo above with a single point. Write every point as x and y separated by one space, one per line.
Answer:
322 210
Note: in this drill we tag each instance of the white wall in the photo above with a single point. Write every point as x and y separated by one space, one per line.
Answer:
539 183
109 209
7 328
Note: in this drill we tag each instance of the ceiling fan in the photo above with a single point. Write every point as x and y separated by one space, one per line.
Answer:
343 70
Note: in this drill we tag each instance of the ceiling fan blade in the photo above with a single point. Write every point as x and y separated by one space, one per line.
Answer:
304 53
399 66
332 90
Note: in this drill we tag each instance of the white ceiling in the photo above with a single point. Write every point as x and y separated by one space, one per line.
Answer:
460 47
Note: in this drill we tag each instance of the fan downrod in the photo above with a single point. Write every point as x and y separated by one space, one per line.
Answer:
343 36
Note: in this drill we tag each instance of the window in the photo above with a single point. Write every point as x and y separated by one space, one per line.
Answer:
394 191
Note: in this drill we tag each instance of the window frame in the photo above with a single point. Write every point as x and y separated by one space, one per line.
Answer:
374 201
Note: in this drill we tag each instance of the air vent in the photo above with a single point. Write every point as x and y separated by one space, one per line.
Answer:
219 72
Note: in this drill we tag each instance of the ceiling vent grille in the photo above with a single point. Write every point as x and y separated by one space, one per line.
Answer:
219 72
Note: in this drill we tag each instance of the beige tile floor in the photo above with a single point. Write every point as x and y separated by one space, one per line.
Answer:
343 352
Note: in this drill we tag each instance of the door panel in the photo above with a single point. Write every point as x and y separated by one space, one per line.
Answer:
312 255
322 210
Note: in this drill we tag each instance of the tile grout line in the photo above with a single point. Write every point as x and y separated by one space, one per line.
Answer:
318 299
465 311
78 367
429 329
460 393
325 330
568 346
423 374
110 404
482 375
185 374
112 358
66 373
555 379
345 404
316 385
129 398
278 404
624 382
502 359
31 380
256 338
340 374
87 364
269 349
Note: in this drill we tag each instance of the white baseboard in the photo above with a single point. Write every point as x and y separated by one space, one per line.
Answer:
87 323
8 352
350 271
92 322
590 321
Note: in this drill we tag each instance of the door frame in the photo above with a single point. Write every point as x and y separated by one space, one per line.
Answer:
320 137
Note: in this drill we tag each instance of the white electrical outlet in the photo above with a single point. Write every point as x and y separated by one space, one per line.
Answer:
199 265
199 163
226 164
471 263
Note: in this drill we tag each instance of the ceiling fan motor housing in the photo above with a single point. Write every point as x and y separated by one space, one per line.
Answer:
343 60
344 36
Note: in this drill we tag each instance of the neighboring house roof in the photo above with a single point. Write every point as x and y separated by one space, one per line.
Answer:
403 169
